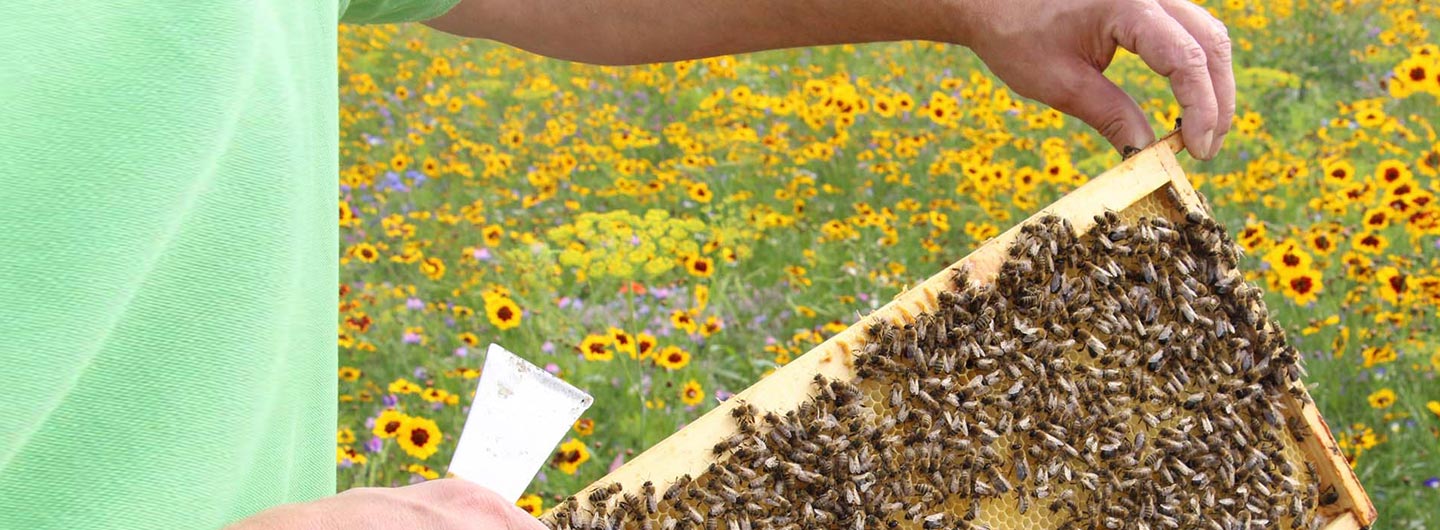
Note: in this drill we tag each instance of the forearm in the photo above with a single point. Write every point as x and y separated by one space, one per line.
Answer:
645 31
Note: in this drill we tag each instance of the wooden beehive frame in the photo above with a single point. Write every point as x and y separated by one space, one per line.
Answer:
1154 177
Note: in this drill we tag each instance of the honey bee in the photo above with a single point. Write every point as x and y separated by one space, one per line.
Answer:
1329 496
599 495
674 491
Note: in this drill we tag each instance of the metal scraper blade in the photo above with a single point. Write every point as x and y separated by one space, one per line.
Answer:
519 413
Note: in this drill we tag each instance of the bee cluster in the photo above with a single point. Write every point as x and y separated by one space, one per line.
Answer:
1124 379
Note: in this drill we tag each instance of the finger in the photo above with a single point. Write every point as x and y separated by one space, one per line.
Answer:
1215 39
1171 51
1085 93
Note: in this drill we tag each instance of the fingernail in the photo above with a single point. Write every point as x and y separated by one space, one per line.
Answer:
1216 144
1202 149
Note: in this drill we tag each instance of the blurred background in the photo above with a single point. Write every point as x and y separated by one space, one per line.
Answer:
664 235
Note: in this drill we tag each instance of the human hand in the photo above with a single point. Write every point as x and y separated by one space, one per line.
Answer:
1055 52
448 504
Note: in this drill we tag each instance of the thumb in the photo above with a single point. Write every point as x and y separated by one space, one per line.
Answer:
1087 94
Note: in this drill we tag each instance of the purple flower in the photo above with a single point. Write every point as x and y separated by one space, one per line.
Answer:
462 352
553 368
1432 482
414 303
482 254
346 463
548 347
722 395
390 400
410 338
421 373
374 444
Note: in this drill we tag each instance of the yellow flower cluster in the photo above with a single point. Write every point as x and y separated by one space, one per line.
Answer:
622 245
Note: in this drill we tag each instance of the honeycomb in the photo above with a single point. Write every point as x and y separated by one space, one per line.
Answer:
1126 378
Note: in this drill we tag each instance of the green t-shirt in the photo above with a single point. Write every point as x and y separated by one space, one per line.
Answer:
168 262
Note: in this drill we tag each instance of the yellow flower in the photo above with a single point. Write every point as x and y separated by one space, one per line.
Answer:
492 235
672 358
1339 171
644 346
1320 242
468 338
434 395
1377 218
1382 399
683 321
702 297
503 312
1393 284
1302 286
466 372
419 437
344 436
349 373
596 348
699 266
584 426
570 455
1434 407
1378 355
389 423
344 453
402 386
424 471
432 268
1287 257
712 326
623 342
1370 117
364 252
1253 236
692 394
700 192
1370 242
347 215
532 504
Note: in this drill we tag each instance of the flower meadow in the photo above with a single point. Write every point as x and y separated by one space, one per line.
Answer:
664 235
